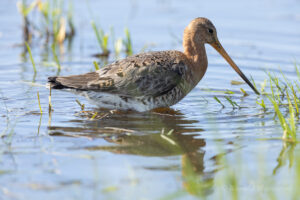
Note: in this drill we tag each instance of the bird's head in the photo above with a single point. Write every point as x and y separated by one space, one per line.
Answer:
201 31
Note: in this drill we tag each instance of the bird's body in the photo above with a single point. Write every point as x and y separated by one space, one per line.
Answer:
141 82
148 80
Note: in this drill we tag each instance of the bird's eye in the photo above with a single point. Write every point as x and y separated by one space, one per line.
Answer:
210 30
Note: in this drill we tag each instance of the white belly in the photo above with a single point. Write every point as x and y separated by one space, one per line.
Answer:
140 104
115 102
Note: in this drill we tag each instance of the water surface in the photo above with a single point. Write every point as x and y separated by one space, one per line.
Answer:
68 156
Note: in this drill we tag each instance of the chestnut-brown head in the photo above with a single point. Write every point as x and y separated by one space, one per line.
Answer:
201 31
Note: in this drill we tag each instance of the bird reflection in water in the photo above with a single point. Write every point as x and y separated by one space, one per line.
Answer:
141 134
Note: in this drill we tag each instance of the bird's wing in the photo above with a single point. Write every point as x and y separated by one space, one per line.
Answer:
146 74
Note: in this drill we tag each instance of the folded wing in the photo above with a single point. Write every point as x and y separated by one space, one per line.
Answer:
146 74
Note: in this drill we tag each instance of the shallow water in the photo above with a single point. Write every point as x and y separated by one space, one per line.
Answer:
125 156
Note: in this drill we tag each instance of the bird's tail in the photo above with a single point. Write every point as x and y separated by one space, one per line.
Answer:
53 83
77 82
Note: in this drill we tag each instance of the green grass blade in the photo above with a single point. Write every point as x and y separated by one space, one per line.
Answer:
128 42
295 100
96 65
282 120
38 96
30 56
98 35
297 70
55 57
233 103
218 100
244 92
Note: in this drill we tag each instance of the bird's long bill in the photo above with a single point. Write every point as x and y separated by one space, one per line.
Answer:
222 51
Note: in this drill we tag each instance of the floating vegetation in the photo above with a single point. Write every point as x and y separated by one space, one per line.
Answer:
219 91
80 104
94 115
233 82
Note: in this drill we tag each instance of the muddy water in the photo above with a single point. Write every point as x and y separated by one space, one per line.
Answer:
68 156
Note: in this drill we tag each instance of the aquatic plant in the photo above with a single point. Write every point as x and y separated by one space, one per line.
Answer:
282 94
244 92
218 100
24 10
55 57
38 97
80 104
118 44
233 103
289 129
30 56
96 65
50 103
262 104
128 43
102 40
57 24
278 94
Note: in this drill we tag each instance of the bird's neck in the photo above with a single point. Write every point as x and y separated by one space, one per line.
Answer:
196 55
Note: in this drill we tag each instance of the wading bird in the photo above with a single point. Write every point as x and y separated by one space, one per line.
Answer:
150 80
